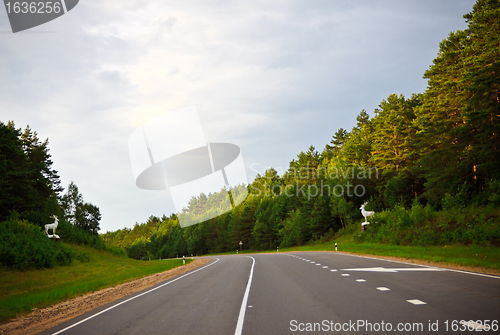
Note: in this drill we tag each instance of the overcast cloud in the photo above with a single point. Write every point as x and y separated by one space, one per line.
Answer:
273 77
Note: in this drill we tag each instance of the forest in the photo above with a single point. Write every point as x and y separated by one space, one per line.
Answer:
428 164
30 197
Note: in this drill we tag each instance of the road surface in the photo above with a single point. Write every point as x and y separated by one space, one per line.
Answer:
303 292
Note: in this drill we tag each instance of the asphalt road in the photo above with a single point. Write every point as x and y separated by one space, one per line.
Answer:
303 292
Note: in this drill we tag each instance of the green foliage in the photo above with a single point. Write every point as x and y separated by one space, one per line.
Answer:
394 133
24 246
78 213
400 190
138 249
425 226
342 209
293 230
29 187
459 123
27 181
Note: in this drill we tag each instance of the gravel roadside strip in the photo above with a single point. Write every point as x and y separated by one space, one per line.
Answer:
41 319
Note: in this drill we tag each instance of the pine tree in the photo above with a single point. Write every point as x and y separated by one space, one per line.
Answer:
28 183
459 122
394 133
362 119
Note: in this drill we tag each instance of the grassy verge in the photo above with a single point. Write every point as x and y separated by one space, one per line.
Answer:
21 291
474 256
424 235
470 256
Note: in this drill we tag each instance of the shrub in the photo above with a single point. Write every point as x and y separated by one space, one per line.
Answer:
24 246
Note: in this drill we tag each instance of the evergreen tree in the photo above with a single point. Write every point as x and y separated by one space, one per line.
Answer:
394 133
339 139
362 119
459 122
28 183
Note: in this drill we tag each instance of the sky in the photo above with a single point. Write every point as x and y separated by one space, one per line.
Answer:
272 77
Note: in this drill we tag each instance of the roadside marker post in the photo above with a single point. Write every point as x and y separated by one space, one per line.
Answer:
241 245
183 259
335 246
277 249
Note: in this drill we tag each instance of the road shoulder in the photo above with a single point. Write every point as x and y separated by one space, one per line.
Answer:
41 319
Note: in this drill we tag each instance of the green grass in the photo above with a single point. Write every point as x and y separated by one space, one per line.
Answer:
474 256
22 291
470 256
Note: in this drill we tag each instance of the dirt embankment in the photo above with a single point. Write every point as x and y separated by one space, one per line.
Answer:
41 319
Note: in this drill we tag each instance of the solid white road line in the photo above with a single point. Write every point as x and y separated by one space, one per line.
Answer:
134 297
241 317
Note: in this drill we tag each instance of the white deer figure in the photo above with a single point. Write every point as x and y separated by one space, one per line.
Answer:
365 213
52 226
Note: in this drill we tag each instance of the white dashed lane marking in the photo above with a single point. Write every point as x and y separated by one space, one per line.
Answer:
470 324
416 302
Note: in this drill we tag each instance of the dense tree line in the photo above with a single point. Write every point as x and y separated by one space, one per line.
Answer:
436 149
30 195
28 184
